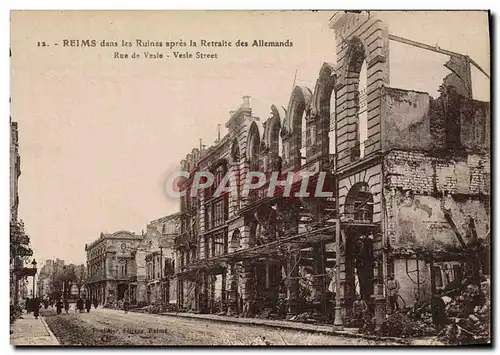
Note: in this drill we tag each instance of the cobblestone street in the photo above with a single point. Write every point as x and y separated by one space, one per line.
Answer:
112 327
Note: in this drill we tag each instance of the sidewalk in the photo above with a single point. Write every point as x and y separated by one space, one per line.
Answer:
28 331
283 324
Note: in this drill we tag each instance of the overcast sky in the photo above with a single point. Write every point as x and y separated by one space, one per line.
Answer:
98 135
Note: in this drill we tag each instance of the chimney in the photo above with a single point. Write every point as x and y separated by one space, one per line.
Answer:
246 102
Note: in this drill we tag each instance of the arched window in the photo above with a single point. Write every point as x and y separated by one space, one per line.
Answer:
235 151
331 132
235 240
363 109
357 80
253 147
216 208
304 136
275 145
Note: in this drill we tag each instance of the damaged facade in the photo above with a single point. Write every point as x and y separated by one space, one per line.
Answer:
139 268
155 261
409 173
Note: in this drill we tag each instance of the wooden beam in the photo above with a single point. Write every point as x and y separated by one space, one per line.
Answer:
449 219
437 50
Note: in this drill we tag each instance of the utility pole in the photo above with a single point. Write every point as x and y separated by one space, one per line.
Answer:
161 272
337 323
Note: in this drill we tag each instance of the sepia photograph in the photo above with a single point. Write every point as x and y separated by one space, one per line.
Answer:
250 178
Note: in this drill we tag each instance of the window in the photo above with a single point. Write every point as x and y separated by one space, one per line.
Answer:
357 83
303 139
438 277
331 132
359 203
218 173
457 272
219 244
219 213
254 147
207 248
363 112
275 145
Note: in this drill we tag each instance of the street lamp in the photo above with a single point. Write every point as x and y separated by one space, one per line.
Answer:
63 282
33 263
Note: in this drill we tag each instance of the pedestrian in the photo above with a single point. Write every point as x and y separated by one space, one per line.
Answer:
393 291
359 309
95 303
88 305
66 306
28 305
79 304
125 305
59 306
438 308
36 307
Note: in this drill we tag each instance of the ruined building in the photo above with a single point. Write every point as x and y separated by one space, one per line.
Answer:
409 176
153 282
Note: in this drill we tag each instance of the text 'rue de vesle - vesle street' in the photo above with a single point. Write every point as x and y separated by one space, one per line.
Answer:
165 50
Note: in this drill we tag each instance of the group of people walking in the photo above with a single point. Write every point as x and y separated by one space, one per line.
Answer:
80 305
34 305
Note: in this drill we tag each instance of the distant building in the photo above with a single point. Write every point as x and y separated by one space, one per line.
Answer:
45 276
155 262
15 170
110 264
16 280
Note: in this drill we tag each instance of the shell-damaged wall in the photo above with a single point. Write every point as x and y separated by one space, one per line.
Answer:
414 120
421 186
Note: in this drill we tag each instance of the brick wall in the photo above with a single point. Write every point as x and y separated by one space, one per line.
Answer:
419 186
424 172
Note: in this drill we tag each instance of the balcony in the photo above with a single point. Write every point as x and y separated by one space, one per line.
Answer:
96 278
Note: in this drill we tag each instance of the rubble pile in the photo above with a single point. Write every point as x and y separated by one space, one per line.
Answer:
469 316
264 313
401 324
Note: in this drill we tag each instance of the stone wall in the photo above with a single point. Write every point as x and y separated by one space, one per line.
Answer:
406 119
364 36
